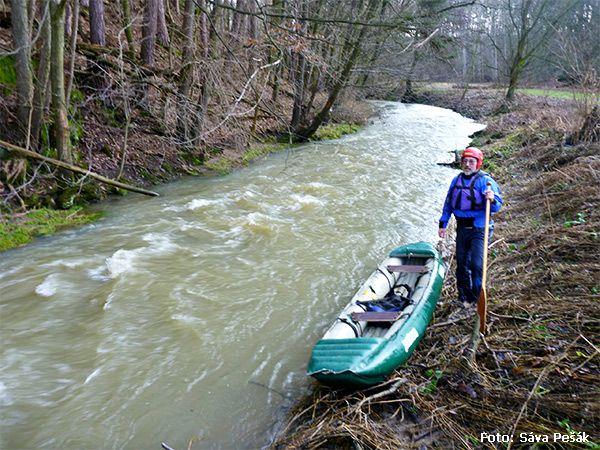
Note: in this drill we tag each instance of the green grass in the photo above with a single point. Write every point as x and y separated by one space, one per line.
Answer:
539 92
21 230
552 94
334 131
258 151
222 166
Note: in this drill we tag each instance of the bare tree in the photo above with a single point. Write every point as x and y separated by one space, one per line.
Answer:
98 37
576 54
298 76
253 36
73 50
59 106
350 53
531 23
149 32
42 77
97 25
22 44
161 24
128 24
187 71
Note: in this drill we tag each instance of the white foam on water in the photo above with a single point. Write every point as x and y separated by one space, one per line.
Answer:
302 201
126 261
120 262
256 223
68 263
200 203
159 243
92 375
49 286
187 319
196 381
256 373
5 398
107 303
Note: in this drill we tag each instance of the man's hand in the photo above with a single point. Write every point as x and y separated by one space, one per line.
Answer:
442 232
489 195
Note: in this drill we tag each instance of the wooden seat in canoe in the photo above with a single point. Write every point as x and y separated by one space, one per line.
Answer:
408 269
376 316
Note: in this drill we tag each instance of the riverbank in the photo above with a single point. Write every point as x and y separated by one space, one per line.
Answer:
34 205
534 377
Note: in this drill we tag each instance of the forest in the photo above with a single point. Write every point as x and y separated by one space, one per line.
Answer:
98 96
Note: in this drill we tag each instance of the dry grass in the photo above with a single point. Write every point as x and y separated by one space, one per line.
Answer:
537 369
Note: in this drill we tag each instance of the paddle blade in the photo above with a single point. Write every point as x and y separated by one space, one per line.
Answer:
481 309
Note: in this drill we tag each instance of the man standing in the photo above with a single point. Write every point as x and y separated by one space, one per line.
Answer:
466 199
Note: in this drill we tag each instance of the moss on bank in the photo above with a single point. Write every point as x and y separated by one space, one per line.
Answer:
22 229
335 131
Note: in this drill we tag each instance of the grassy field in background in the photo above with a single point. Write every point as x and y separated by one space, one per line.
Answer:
553 93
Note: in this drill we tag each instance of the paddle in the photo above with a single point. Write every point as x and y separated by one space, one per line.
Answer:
482 305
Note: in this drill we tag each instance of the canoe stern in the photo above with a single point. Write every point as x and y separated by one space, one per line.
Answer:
345 361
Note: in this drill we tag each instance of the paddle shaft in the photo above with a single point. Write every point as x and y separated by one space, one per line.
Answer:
482 305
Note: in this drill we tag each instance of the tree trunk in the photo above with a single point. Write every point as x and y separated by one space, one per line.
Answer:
22 45
161 24
299 75
237 26
278 7
205 93
71 71
31 9
128 28
316 79
59 106
203 33
149 32
97 26
43 78
409 93
472 69
98 71
298 90
212 23
514 73
252 36
187 72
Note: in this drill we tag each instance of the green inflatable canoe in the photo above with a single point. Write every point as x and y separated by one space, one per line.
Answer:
380 327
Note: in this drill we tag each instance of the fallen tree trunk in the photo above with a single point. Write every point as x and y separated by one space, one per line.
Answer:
72 168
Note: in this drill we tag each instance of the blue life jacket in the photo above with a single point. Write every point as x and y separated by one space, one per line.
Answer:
464 196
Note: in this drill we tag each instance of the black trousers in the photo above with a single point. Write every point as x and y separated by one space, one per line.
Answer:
469 262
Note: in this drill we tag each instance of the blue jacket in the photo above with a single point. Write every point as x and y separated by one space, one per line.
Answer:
479 214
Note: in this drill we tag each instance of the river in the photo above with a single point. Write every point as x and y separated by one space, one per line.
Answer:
192 315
